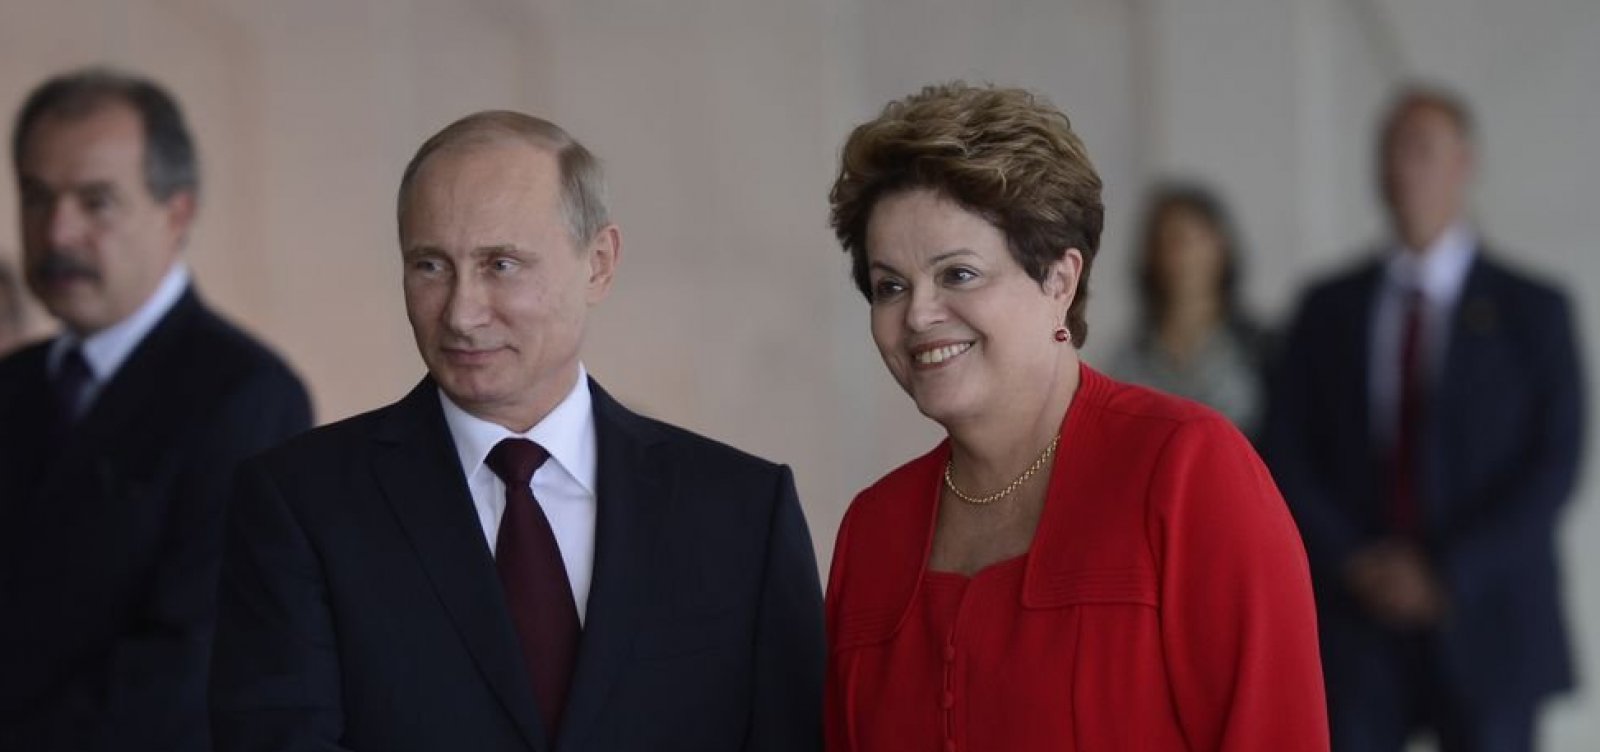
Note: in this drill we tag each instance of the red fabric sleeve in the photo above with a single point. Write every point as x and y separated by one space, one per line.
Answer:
1238 623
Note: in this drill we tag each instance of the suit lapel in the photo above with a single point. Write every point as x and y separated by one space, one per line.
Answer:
420 474
1478 320
147 368
631 494
134 392
1358 349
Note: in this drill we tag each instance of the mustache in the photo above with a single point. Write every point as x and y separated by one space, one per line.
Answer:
56 265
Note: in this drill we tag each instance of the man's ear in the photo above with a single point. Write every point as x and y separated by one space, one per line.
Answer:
605 253
180 209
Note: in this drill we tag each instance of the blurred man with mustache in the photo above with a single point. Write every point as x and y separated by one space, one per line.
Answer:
118 437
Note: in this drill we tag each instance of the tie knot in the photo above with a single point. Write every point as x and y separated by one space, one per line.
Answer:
515 460
73 366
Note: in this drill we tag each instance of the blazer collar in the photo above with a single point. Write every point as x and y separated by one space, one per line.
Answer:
1065 566
420 474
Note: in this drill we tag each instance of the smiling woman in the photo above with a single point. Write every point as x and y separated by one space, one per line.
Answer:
1081 561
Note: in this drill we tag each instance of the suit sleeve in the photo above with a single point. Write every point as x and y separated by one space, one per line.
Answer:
1238 625
1522 513
786 712
275 672
146 697
1288 442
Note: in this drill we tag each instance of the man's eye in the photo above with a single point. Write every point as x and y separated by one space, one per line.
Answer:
96 201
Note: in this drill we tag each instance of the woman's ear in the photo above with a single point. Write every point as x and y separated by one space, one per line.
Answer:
1061 278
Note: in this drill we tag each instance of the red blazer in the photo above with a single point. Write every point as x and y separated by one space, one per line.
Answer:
1165 603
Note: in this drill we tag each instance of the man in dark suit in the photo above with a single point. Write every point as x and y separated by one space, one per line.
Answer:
118 438
506 558
1425 427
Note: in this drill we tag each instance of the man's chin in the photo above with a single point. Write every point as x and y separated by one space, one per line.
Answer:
466 390
80 318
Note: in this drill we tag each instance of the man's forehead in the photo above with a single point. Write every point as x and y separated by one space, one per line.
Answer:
1423 113
107 135
497 150
486 176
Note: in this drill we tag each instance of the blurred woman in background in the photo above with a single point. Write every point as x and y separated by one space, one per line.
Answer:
1193 338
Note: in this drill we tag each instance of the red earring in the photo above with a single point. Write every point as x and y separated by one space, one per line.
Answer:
1062 335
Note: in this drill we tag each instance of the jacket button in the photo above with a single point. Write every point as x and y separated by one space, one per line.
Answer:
949 699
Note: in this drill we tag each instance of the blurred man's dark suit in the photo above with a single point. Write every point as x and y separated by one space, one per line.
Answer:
111 533
361 608
1499 449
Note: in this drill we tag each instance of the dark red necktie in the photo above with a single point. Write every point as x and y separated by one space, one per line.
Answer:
67 385
1404 510
72 376
535 580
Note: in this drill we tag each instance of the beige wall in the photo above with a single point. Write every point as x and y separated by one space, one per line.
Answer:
720 121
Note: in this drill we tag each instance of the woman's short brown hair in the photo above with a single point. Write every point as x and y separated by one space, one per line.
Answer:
1004 154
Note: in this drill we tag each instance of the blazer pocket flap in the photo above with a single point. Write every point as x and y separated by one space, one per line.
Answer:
1125 585
858 627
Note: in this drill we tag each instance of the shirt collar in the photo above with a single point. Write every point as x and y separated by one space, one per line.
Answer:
567 433
1441 269
106 350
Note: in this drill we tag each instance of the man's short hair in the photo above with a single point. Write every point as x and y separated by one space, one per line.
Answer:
583 191
170 163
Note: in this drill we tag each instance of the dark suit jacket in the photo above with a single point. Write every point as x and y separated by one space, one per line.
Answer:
110 540
361 609
1500 450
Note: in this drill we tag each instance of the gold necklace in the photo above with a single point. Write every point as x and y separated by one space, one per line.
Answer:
950 482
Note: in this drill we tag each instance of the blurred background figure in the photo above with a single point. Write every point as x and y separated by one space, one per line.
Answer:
119 436
1193 338
12 323
1425 427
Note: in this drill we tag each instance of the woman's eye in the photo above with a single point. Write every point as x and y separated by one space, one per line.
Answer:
959 274
886 288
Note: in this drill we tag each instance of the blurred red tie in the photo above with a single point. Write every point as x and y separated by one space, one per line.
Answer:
535 580
1405 513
